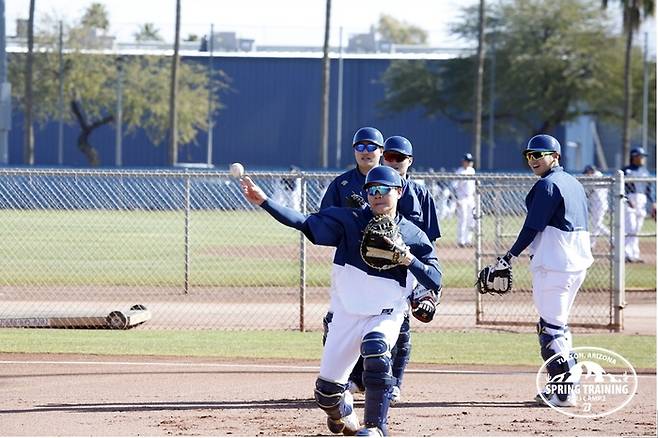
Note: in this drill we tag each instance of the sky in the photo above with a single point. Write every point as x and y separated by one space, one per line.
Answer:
269 22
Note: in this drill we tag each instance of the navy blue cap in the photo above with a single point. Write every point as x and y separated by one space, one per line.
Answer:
638 151
383 175
399 144
543 143
468 157
370 134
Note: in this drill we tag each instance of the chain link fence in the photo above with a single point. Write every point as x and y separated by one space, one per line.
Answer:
186 246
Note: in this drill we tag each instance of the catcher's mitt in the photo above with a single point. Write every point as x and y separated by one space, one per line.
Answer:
382 246
496 279
424 302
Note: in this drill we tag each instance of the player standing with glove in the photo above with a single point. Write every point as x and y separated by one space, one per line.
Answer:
369 301
347 190
557 233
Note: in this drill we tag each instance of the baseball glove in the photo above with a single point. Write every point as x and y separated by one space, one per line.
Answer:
382 246
496 279
424 302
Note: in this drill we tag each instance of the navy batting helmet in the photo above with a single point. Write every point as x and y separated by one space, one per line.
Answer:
467 157
543 143
638 151
383 175
368 134
399 144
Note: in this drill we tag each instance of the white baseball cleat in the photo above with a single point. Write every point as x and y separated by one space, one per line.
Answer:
396 397
554 401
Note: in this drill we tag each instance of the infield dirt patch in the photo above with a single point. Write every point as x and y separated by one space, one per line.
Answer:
101 396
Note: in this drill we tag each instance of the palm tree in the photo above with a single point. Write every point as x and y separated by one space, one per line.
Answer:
477 116
635 12
28 133
173 91
147 32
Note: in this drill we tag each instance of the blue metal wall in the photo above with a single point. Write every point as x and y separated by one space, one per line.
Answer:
271 119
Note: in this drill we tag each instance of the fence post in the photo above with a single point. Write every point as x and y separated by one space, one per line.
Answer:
619 235
302 260
186 287
478 248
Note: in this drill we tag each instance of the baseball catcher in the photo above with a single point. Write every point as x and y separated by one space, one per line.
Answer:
382 246
496 279
370 304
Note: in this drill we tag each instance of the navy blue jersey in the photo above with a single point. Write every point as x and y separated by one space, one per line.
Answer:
362 289
557 211
416 204
342 190
558 200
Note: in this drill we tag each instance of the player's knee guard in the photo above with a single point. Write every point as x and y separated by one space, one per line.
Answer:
377 379
331 398
402 351
555 339
325 325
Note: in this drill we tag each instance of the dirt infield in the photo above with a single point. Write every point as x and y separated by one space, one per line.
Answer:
101 396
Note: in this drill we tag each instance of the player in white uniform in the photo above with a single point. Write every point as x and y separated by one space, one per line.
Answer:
598 206
556 230
638 195
368 304
465 194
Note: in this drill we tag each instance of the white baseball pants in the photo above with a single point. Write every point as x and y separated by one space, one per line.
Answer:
554 292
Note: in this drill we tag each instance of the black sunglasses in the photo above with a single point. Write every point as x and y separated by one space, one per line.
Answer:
394 156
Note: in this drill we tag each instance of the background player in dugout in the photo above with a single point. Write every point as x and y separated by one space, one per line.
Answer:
415 204
368 304
556 230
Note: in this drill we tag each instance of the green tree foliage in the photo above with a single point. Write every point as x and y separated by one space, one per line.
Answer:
634 12
399 32
96 17
147 32
554 61
90 87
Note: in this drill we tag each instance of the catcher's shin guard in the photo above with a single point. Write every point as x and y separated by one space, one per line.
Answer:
332 398
325 325
401 351
377 379
556 339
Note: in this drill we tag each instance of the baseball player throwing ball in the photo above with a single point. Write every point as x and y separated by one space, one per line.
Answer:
556 231
369 301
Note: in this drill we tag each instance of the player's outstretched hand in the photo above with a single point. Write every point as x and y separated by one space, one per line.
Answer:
252 192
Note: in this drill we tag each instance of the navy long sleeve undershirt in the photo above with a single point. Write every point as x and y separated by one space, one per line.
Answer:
525 238
287 216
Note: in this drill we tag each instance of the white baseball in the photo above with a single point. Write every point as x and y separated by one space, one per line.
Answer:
237 170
